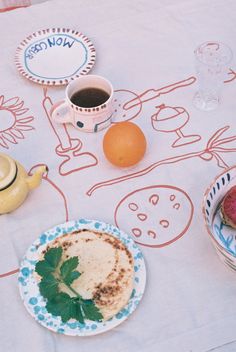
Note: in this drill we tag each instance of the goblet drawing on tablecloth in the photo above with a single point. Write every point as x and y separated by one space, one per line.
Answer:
212 60
173 119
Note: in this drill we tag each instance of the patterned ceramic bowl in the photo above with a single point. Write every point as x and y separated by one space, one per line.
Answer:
222 236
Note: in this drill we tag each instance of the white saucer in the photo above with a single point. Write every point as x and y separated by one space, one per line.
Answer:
55 56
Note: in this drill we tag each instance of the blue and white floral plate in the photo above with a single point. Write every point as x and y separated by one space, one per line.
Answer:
55 56
35 303
222 236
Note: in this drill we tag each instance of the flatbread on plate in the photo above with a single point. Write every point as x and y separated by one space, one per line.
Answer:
106 267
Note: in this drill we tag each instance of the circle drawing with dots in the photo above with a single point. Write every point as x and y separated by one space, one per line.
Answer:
155 216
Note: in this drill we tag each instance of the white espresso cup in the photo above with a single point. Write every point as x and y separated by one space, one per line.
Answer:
86 119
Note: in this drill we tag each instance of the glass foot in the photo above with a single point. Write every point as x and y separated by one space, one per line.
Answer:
205 103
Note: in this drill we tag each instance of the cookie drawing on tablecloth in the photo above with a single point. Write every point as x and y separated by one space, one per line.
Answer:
171 119
156 215
68 148
14 121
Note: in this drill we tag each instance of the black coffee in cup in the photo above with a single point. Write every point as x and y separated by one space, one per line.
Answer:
89 97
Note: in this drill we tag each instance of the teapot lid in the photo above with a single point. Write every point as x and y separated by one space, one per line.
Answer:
8 171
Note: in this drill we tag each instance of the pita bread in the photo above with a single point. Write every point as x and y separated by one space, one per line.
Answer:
106 267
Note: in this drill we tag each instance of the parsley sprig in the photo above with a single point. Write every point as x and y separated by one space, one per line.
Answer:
59 303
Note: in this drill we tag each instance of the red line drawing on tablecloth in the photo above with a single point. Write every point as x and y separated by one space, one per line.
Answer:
47 179
164 222
215 146
9 273
14 120
151 94
121 97
68 148
171 119
128 104
231 73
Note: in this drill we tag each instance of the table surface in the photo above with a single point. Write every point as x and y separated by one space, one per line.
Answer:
145 48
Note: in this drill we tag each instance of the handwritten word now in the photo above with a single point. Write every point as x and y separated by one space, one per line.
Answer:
47 44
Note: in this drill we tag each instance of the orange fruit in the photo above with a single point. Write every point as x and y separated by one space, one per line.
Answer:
124 144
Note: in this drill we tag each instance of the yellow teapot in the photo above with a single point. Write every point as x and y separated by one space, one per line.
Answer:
15 183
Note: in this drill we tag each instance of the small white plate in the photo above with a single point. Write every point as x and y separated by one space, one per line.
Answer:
35 303
55 56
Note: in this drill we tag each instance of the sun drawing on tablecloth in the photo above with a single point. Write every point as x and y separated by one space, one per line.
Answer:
14 121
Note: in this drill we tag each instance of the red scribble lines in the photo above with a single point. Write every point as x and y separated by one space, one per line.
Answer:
231 73
128 104
45 178
121 97
172 119
68 148
164 223
212 151
151 94
13 8
13 123
9 273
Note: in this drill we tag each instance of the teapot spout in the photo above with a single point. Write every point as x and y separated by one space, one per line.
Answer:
35 180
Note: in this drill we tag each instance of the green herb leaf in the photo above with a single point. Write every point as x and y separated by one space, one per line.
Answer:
48 286
61 305
71 277
66 270
91 312
43 268
50 262
78 315
88 301
53 256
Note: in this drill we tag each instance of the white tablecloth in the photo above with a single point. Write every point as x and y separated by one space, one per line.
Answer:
189 303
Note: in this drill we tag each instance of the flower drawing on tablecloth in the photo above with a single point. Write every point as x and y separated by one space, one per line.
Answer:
158 215
14 121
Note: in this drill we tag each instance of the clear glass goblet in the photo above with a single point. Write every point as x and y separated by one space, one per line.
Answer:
212 63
